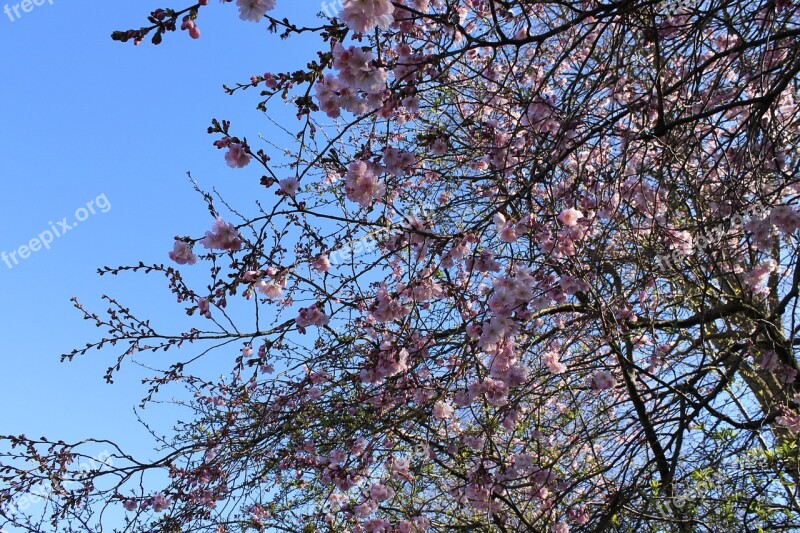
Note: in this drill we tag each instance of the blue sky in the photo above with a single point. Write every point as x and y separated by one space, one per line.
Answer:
88 119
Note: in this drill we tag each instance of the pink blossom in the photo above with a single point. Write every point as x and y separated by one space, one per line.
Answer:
506 229
160 502
223 236
362 184
311 316
757 278
516 375
570 217
271 289
541 117
484 262
439 146
352 101
792 423
363 15
387 309
322 263
426 289
400 469
785 217
496 391
603 379
203 307
289 186
551 361
503 358
237 156
512 419
356 69
182 253
762 233
379 492
494 331
390 363
443 410
326 92
579 515
338 457
508 233
523 462
421 524
410 103
571 284
511 292
359 446
254 10
398 162
477 494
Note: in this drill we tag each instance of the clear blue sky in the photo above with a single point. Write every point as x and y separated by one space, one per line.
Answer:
84 116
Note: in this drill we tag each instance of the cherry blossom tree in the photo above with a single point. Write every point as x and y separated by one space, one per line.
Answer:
532 266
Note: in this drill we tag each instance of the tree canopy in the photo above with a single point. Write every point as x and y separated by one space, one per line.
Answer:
531 266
